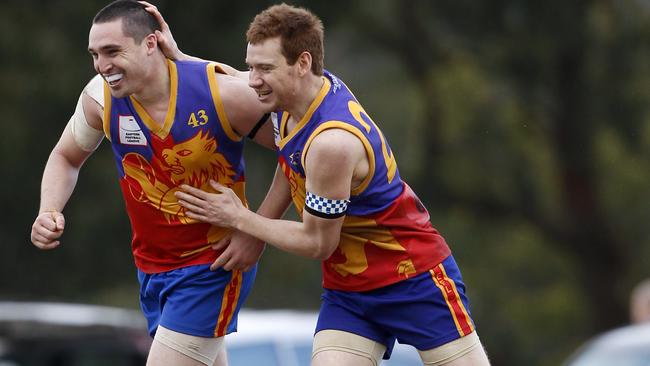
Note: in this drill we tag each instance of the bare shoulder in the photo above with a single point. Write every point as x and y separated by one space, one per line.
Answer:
232 85
335 147
240 102
235 93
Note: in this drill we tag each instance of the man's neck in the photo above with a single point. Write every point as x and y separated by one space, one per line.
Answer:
157 89
306 96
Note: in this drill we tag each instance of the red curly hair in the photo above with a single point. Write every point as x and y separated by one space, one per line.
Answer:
299 31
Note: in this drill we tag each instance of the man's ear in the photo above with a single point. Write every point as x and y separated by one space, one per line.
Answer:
151 41
304 63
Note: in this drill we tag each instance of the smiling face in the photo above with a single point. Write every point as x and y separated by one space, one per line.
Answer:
275 81
117 57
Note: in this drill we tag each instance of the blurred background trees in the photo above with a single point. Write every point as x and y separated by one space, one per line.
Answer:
524 127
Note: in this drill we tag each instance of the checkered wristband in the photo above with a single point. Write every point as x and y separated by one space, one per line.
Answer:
325 207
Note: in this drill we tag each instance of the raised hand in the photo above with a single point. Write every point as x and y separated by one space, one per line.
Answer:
166 41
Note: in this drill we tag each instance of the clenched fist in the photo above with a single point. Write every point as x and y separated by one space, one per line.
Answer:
47 229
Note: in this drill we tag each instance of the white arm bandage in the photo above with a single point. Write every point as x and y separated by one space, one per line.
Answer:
87 137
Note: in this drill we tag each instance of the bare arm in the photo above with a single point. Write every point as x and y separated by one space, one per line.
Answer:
168 44
60 174
278 197
59 179
242 250
244 110
330 167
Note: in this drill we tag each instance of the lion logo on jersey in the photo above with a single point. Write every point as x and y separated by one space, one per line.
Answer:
187 163
193 162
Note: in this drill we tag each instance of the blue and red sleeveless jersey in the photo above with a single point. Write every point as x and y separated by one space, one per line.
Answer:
387 234
195 143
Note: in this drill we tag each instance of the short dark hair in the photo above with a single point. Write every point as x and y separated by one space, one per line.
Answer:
299 31
137 23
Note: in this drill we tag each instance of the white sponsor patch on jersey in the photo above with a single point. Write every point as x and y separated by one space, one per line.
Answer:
130 132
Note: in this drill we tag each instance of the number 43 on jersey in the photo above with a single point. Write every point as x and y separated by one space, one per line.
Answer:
197 118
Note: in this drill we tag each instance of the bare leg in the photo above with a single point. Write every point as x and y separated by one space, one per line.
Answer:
466 351
161 355
222 358
328 358
170 348
477 357
335 347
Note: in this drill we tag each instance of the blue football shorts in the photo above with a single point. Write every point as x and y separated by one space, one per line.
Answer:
194 300
425 311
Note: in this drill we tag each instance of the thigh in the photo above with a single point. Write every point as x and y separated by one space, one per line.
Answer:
340 358
162 355
178 349
465 351
335 347
195 301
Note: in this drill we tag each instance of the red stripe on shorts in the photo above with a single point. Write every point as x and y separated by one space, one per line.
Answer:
456 307
229 303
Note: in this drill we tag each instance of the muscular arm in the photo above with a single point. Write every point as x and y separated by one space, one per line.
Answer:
60 174
242 251
278 197
67 157
329 168
332 162
59 179
244 109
